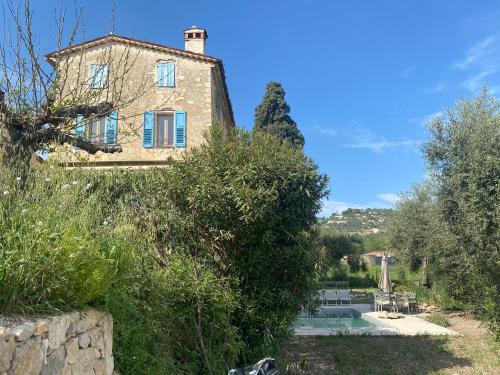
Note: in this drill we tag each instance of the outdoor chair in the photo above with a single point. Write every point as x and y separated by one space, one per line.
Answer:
400 302
382 301
329 284
412 301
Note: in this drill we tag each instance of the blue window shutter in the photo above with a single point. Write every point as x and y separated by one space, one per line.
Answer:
98 76
160 74
148 130
170 74
79 126
180 129
104 76
93 75
111 128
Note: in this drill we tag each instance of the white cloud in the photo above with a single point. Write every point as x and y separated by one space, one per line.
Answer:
381 146
424 120
392 198
436 89
408 71
477 53
329 207
326 131
364 138
481 61
474 82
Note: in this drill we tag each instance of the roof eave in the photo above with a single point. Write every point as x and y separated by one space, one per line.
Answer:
131 41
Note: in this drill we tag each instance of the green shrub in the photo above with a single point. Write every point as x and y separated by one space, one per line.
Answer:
203 265
72 238
246 206
157 321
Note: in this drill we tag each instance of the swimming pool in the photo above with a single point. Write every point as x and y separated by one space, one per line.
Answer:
333 318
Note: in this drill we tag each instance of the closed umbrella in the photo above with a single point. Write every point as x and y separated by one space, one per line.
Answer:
385 279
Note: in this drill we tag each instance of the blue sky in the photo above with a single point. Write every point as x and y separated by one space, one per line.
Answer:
362 77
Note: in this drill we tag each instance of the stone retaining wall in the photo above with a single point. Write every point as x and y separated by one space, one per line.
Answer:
77 343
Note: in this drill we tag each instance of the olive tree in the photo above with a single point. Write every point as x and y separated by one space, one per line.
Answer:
463 154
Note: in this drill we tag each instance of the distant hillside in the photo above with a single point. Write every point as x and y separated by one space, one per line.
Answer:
359 221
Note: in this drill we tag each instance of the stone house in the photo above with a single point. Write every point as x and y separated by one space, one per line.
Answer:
168 98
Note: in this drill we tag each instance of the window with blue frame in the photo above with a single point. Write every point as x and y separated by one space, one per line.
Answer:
165 74
100 130
164 129
99 76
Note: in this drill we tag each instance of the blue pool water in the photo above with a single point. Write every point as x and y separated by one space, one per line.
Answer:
334 318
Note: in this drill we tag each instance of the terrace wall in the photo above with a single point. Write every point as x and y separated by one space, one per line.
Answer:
76 343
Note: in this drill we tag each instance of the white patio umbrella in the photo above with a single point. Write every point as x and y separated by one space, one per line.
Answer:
385 279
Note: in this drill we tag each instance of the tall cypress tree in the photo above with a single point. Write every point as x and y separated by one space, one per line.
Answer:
272 116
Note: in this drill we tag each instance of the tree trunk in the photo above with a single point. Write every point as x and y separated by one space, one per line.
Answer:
14 154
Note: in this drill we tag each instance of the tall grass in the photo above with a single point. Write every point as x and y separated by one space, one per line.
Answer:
74 238
56 252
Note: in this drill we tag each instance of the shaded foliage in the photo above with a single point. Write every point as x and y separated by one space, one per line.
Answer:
272 115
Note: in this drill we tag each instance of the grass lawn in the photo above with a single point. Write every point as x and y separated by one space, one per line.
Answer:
472 353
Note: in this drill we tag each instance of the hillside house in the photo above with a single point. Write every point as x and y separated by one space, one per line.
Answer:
169 97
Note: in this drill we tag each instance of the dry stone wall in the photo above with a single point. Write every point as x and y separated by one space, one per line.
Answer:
77 343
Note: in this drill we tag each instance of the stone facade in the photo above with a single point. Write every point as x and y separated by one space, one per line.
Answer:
77 343
199 90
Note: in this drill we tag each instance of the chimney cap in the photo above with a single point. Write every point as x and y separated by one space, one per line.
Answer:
194 27
195 32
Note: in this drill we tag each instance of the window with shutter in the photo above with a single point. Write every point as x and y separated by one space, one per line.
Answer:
165 74
164 129
98 76
97 130
79 126
111 128
148 130
180 129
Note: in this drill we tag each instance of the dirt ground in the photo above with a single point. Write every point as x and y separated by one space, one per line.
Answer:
471 353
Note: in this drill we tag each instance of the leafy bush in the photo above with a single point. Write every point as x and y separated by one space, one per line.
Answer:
246 206
203 265
161 322
69 239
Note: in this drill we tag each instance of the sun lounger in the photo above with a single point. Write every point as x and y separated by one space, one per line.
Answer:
344 296
330 297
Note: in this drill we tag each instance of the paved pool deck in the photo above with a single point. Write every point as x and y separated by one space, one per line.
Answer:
406 325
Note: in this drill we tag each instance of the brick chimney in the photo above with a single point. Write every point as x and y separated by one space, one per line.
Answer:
195 39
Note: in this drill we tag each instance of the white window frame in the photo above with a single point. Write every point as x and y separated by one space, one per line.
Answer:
165 135
101 129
